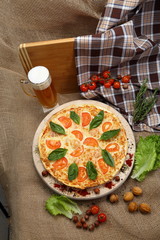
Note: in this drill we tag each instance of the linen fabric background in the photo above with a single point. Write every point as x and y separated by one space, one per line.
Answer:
28 21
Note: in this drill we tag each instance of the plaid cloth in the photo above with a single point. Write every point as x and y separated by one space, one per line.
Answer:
127 41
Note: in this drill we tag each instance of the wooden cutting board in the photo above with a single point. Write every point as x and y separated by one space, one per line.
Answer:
57 56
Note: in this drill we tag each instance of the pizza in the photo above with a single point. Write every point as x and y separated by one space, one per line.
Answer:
83 145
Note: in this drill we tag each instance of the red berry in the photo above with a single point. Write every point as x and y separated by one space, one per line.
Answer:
102 217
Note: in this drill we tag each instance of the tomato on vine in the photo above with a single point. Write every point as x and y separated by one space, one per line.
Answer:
111 80
107 84
84 87
102 217
106 74
126 79
92 85
94 209
94 78
116 85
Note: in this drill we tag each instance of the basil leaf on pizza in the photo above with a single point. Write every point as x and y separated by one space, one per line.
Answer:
91 170
97 120
57 154
109 134
74 116
107 157
57 128
72 171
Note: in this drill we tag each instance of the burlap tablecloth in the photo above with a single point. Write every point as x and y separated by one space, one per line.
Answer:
28 21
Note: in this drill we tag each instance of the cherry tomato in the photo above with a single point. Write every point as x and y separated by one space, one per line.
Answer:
84 87
111 80
92 85
94 209
126 79
116 85
106 74
102 217
101 81
107 85
94 78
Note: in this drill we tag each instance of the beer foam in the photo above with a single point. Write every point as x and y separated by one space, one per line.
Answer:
38 75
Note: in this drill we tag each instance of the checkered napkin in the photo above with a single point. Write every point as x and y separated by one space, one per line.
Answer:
127 41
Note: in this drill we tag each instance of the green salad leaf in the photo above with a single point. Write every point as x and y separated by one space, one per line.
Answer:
147 156
62 205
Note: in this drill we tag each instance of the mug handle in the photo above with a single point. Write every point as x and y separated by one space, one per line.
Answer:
27 88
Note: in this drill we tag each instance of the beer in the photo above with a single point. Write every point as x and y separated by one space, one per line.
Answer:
42 85
47 97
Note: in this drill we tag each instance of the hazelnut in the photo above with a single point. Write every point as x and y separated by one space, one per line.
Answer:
79 225
137 191
128 196
113 198
144 208
85 225
96 190
75 219
132 207
91 227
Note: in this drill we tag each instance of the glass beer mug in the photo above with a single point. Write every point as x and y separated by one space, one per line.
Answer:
40 81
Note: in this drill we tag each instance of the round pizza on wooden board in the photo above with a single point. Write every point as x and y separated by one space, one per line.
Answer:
83 146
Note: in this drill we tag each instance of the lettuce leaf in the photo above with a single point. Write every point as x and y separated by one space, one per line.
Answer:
61 205
147 156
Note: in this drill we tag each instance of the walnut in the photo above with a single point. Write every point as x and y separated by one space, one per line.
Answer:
137 191
144 208
132 207
128 196
113 198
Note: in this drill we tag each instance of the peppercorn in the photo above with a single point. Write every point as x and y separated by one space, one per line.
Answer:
96 223
88 212
117 178
97 190
79 225
85 225
86 217
75 219
91 227
82 220
45 173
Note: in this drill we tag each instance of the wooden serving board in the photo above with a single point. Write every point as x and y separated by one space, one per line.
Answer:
57 56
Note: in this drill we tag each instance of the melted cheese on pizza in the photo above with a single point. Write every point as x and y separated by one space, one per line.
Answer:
83 145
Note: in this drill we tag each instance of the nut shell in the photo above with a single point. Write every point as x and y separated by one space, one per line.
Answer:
144 208
113 198
132 207
128 196
137 191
